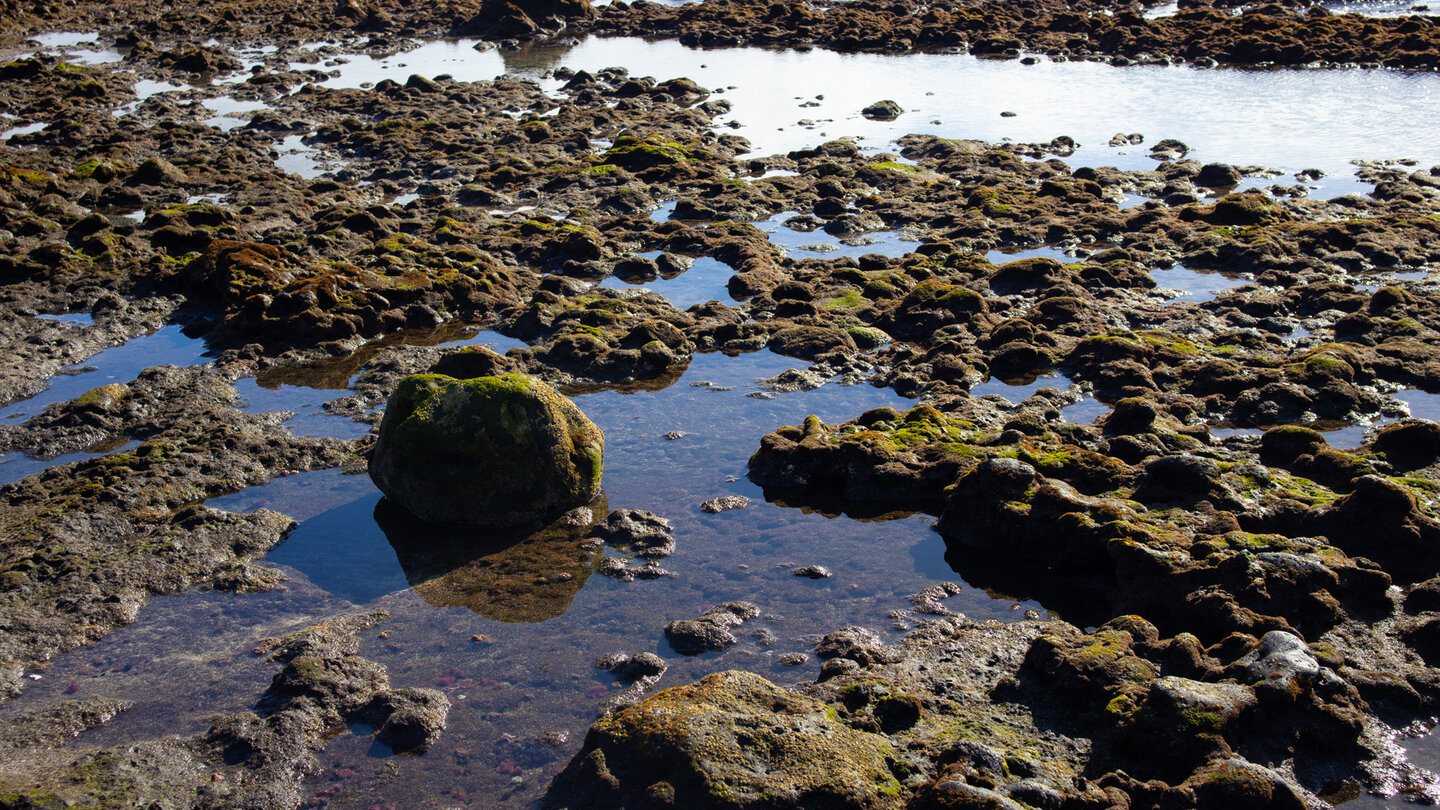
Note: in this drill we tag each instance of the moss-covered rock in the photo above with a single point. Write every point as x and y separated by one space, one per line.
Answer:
731 740
490 452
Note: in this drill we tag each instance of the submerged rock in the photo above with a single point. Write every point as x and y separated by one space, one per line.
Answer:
489 452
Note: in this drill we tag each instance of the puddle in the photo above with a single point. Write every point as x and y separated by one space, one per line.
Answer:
310 418
144 89
1084 412
65 39
455 56
296 157
705 281
1004 255
1194 285
1422 405
1344 436
488 338
337 373
1381 8
15 466
1016 391
819 244
1245 117
229 112
166 346
22 130
1219 433
77 318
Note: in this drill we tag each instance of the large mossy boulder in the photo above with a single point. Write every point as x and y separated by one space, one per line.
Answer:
488 452
729 740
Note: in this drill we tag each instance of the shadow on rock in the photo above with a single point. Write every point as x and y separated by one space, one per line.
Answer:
520 575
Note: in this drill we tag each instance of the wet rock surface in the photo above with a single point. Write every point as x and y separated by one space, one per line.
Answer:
1250 644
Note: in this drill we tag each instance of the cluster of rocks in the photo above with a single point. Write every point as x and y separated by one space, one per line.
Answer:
1249 634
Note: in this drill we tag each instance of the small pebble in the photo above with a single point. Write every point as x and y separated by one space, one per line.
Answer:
814 572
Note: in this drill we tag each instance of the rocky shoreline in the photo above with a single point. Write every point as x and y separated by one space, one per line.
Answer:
1261 604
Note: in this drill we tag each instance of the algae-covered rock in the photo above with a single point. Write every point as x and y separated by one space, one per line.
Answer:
734 740
489 452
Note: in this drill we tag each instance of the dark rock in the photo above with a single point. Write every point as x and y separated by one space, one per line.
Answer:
886 110
710 632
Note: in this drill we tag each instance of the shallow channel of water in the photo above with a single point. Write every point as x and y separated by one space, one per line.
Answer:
531 672
168 345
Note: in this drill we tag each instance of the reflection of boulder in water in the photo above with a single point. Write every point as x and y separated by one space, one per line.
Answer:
1081 597
833 505
510 576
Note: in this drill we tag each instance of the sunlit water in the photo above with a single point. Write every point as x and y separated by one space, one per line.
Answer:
1285 119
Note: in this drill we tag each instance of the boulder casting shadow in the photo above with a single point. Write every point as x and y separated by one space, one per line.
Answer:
515 575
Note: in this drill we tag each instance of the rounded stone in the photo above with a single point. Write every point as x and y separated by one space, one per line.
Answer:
487 452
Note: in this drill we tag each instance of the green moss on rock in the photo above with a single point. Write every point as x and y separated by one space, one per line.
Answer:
489 452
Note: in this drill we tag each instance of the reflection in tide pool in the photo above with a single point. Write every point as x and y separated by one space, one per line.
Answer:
77 318
1422 405
1017 391
705 280
1085 412
1194 285
310 418
1006 255
818 243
